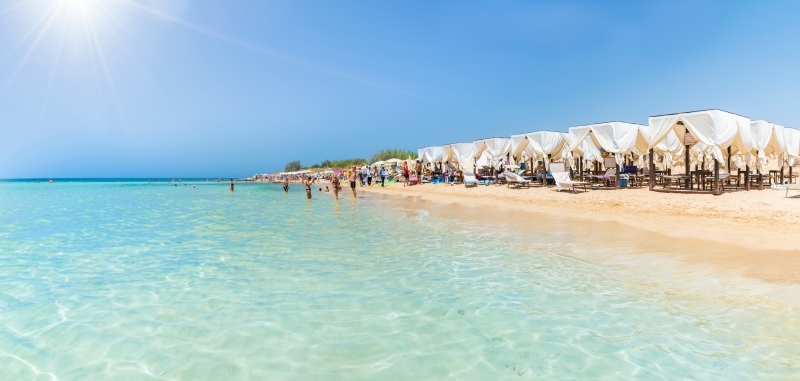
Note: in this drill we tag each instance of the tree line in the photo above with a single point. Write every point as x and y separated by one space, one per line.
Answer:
381 155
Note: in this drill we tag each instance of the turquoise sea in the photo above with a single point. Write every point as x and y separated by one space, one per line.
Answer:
127 280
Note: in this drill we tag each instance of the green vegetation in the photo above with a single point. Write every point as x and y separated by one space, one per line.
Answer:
347 163
392 154
293 166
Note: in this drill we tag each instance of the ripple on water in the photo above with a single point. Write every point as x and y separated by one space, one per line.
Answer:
136 281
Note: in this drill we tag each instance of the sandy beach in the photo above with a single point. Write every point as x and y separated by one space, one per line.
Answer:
751 234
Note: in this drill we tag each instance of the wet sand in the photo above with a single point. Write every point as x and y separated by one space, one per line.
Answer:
753 238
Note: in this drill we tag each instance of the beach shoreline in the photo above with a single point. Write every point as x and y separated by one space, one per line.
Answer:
718 234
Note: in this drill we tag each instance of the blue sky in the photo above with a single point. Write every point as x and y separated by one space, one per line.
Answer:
178 88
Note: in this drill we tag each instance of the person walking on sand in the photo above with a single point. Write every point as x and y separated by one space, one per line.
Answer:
231 185
286 184
353 179
405 174
382 174
336 186
307 182
369 176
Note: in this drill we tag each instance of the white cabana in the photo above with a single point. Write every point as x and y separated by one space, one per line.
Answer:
617 138
768 140
431 154
715 128
522 144
550 144
461 153
492 150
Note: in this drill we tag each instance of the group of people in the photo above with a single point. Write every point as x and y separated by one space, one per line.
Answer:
356 175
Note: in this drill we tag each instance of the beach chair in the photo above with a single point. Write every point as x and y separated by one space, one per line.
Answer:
516 180
562 179
790 187
470 180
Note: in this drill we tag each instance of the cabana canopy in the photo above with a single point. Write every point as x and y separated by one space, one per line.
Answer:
618 138
522 143
461 153
715 128
431 154
493 150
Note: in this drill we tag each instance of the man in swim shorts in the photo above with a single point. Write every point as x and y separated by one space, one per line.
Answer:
307 181
286 184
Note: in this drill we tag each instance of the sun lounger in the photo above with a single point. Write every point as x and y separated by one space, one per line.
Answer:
563 181
470 180
788 187
516 180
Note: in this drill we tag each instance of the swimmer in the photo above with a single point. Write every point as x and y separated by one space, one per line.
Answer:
286 184
231 185
308 187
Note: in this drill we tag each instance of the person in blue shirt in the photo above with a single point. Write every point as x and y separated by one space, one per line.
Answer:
383 172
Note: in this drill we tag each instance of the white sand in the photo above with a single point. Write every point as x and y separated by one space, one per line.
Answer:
759 229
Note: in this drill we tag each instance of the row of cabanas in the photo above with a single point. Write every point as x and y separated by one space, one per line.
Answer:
712 137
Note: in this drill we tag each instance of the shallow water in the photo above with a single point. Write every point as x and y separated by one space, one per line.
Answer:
136 281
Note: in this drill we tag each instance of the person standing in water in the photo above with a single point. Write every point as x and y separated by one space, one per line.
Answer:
353 179
307 181
336 185
286 184
231 185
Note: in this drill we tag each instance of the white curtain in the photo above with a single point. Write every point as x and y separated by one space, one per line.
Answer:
670 148
791 143
522 144
715 128
764 142
549 143
494 150
464 155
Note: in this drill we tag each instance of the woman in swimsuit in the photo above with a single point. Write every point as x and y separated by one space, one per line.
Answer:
336 186
308 187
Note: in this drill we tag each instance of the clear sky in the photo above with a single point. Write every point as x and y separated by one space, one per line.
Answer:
207 88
